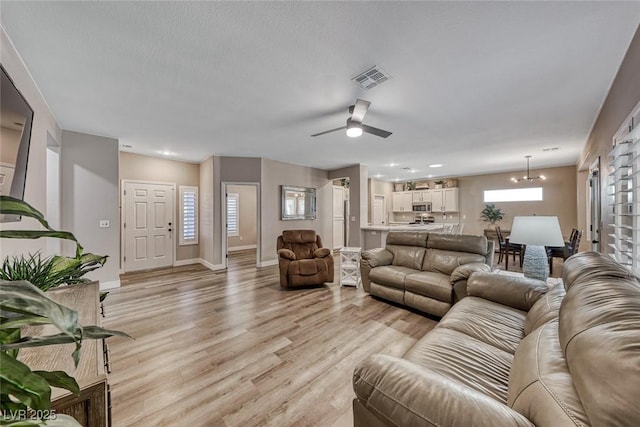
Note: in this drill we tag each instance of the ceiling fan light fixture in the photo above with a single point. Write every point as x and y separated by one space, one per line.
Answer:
354 129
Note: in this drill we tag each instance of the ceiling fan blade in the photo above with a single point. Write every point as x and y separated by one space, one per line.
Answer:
359 110
375 131
329 131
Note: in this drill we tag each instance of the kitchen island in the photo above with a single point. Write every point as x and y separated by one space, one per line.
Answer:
375 236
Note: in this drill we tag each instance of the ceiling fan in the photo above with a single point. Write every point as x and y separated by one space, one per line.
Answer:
354 126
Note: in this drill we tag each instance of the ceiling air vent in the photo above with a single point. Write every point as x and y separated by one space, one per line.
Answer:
371 78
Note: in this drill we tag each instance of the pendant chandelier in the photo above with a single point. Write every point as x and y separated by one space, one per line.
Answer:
528 177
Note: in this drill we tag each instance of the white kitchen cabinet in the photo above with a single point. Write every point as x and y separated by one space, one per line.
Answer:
402 201
444 200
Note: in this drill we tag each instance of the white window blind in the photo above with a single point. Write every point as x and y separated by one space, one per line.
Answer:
233 208
188 215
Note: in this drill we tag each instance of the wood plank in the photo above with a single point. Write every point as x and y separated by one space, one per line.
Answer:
231 348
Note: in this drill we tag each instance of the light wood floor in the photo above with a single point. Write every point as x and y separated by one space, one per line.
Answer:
233 349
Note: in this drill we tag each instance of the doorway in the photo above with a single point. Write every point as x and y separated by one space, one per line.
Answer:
594 226
241 224
379 209
147 225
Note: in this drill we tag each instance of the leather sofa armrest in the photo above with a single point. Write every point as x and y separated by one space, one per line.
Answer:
377 257
514 291
321 253
406 394
286 253
463 271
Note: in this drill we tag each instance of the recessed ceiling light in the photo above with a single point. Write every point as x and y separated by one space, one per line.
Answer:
436 165
392 164
167 153
378 175
429 176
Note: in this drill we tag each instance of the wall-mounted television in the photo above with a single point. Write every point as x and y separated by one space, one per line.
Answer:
16 119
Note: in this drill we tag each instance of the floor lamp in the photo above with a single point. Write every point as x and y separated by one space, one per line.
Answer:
536 232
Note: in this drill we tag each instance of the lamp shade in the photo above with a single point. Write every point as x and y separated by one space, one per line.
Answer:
536 231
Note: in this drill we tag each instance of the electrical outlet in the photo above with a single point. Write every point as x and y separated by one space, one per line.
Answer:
104 223
353 218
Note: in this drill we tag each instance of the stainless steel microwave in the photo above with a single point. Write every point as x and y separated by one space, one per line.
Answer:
422 207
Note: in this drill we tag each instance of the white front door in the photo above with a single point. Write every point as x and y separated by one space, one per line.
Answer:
378 210
148 225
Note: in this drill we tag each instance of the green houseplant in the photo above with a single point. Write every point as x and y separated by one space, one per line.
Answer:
25 394
491 214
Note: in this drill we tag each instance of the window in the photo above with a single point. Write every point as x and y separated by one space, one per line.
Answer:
233 206
188 215
514 195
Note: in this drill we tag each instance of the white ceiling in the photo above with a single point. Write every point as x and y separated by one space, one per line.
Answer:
475 86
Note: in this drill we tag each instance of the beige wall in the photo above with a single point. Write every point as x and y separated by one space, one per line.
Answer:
623 96
89 173
144 168
559 193
276 174
247 218
205 211
43 123
9 143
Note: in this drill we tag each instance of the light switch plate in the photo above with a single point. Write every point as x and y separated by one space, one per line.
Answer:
104 223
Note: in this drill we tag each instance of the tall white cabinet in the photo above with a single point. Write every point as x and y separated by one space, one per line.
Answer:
338 216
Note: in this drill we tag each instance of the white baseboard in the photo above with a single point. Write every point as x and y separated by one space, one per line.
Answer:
240 248
105 286
186 262
213 267
268 263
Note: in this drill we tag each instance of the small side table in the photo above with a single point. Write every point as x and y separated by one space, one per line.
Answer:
350 266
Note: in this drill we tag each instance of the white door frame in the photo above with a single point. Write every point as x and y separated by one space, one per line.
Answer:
223 216
123 211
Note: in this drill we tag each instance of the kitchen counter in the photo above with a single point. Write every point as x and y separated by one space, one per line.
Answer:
375 236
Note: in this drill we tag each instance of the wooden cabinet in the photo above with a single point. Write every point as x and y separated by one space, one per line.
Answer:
421 196
402 201
91 407
444 200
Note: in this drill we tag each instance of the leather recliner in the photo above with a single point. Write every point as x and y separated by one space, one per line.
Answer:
302 259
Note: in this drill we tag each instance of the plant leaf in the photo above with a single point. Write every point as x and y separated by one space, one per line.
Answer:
22 320
17 380
23 297
36 234
86 332
60 379
12 206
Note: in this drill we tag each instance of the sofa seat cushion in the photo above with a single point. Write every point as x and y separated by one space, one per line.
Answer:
306 267
492 323
445 262
431 284
541 387
469 361
390 275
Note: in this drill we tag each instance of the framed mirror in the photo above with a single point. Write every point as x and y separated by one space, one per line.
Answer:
298 203
16 118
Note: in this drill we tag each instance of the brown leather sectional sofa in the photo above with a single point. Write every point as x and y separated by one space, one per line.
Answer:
514 353
426 271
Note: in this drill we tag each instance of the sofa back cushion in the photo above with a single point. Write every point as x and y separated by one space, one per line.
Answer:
407 256
303 243
545 309
458 243
407 238
540 384
600 338
445 262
